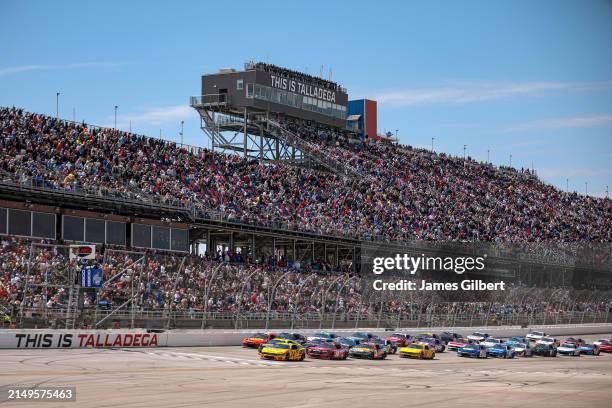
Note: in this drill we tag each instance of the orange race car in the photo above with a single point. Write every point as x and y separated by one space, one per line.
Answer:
257 339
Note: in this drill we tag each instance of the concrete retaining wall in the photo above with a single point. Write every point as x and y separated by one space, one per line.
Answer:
27 339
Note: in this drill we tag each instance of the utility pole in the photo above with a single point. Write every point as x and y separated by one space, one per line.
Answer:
488 161
182 123
116 106
464 147
432 140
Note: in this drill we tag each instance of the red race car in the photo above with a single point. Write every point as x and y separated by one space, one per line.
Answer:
577 341
399 339
458 343
605 346
257 339
325 351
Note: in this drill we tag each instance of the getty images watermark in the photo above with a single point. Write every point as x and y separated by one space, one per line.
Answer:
407 264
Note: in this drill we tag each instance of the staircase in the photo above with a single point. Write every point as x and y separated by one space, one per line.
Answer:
73 306
312 151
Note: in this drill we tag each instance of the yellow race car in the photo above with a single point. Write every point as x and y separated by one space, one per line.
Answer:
420 351
283 351
278 341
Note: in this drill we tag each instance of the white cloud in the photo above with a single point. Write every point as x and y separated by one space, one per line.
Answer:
563 123
27 68
157 116
468 92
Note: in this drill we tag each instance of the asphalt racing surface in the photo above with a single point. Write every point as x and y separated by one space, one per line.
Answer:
236 377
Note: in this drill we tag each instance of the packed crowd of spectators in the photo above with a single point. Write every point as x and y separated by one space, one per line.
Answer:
160 281
409 193
289 73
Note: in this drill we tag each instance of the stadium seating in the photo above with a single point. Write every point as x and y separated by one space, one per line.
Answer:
416 194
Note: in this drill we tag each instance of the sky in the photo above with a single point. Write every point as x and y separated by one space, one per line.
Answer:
531 80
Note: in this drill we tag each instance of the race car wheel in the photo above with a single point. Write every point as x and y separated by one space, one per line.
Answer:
302 357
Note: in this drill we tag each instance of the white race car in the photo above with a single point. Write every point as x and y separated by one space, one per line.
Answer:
569 349
520 348
477 336
598 342
490 342
549 341
535 335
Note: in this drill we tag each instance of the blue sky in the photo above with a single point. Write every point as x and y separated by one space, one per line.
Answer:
527 78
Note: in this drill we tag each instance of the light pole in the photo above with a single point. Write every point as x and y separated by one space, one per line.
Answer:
488 161
607 195
182 123
567 185
57 94
464 147
510 159
116 107
432 140
586 188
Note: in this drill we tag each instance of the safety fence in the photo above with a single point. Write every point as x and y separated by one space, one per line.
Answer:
54 318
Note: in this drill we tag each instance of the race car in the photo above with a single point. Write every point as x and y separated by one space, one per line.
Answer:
518 339
490 342
544 350
521 349
535 335
605 346
282 352
569 349
598 342
387 345
427 335
278 341
364 335
369 351
322 336
348 342
449 336
473 350
257 339
577 341
436 344
399 339
418 350
292 336
477 336
589 349
456 344
551 341
331 351
501 350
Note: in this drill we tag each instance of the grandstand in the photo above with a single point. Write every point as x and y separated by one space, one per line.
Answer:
290 213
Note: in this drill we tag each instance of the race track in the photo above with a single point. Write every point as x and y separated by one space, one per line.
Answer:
236 377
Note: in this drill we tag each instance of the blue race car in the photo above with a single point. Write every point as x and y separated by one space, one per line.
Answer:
473 350
501 350
589 349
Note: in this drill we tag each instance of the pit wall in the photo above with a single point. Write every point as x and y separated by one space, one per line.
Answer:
41 339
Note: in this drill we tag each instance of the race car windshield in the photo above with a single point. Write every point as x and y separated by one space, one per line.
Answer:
277 346
568 345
